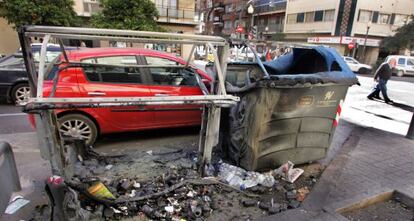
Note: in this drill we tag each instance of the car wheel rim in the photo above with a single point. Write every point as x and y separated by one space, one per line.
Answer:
22 94
76 129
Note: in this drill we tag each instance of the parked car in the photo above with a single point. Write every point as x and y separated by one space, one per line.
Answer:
405 65
122 80
357 67
14 86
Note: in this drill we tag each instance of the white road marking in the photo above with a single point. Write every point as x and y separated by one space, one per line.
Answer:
13 114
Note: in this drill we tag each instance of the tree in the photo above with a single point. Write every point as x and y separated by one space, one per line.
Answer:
127 14
403 38
38 12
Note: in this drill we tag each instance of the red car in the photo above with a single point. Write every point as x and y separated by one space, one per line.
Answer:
127 81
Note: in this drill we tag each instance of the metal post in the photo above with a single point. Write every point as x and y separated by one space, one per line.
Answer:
365 44
29 63
50 143
251 22
42 64
410 133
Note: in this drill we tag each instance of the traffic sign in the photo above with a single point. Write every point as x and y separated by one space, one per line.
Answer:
351 45
240 29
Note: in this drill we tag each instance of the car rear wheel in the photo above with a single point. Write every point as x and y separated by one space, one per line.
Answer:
363 71
78 126
400 73
20 93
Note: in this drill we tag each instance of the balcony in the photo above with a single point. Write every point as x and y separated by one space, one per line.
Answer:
178 16
90 7
271 28
269 8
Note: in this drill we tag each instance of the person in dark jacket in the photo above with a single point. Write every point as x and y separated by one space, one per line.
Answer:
382 75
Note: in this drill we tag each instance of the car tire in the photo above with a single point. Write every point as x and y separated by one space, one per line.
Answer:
20 93
400 73
78 126
363 71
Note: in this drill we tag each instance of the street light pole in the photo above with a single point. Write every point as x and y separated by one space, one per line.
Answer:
241 12
250 10
365 41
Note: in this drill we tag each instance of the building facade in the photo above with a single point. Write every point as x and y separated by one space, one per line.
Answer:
346 24
223 17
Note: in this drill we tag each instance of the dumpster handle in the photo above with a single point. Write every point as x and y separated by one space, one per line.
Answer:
6 149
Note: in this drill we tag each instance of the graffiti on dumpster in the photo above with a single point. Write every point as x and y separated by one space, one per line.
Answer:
327 100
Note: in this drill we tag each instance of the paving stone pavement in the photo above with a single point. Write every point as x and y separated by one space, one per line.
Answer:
371 162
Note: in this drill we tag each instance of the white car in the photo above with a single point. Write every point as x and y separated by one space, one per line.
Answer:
357 67
405 65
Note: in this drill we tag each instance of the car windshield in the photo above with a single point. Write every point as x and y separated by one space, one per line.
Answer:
12 62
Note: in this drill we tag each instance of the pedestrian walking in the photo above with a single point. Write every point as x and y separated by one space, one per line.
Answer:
382 75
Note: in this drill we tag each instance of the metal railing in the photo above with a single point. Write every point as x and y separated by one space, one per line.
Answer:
42 107
270 28
168 12
275 6
9 178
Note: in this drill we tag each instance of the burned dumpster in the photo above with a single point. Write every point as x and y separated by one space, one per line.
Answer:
288 113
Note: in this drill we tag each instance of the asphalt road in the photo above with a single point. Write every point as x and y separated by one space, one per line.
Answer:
13 120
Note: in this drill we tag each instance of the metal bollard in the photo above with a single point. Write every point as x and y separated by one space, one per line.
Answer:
410 133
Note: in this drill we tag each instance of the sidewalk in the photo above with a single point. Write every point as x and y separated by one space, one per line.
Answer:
371 162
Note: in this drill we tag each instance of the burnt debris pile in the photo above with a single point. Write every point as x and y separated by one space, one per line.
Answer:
165 185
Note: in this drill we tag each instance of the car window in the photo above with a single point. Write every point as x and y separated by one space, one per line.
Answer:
401 61
12 62
171 76
351 60
89 60
108 74
50 56
52 69
410 62
117 60
113 74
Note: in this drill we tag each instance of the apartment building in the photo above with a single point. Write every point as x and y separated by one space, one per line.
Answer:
339 23
175 15
222 17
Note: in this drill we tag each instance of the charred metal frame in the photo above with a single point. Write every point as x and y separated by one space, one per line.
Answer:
51 144
9 177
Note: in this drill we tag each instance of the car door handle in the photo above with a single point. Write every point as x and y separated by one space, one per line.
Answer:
96 93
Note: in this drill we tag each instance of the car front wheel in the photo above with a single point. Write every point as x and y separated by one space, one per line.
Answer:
78 126
363 71
20 93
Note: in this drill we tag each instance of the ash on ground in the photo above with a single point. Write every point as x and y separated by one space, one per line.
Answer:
165 185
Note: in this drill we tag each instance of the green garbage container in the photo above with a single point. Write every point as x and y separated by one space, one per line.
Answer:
290 115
